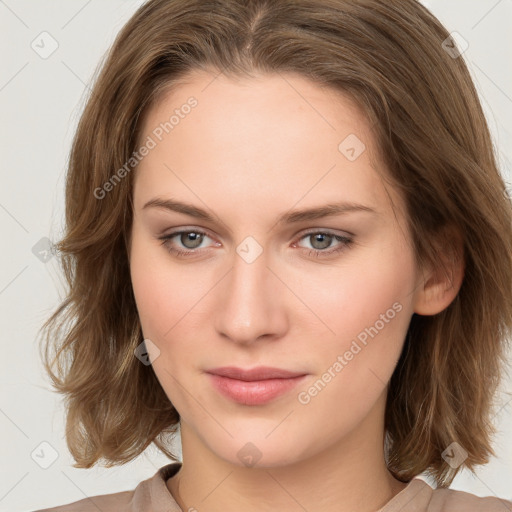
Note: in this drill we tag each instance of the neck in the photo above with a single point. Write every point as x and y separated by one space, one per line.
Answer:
349 474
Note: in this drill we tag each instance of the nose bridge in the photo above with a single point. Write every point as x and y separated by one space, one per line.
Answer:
249 306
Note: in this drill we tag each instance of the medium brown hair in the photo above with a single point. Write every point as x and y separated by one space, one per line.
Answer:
435 143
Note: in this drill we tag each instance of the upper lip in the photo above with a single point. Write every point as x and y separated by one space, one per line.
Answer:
258 373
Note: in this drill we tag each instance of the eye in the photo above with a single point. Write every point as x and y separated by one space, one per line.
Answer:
322 240
189 242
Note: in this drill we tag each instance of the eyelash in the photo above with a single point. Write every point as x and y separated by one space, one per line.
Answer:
345 243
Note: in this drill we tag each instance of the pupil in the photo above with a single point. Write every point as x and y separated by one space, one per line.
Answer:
326 239
191 237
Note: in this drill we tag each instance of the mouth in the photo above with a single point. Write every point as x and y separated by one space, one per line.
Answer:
256 386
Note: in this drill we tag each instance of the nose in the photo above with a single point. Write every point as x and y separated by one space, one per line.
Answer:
251 302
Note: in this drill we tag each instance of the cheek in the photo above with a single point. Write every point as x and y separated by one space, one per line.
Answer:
149 288
160 293
363 290
367 307
165 299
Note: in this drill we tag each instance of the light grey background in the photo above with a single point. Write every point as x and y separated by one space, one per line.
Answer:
41 100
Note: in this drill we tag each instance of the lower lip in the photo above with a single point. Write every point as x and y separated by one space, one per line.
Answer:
256 392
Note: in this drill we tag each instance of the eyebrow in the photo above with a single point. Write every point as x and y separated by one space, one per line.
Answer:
290 217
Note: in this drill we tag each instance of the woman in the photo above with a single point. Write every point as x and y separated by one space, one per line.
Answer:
286 235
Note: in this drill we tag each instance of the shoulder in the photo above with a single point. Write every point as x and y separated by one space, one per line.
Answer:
116 502
419 496
450 500
147 496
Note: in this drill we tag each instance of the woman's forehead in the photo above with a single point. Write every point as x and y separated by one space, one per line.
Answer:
274 131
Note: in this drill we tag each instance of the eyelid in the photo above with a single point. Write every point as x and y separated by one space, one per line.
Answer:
327 231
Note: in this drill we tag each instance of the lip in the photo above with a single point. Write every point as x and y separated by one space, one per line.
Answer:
256 386
253 374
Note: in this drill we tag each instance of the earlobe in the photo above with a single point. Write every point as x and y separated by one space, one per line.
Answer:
441 283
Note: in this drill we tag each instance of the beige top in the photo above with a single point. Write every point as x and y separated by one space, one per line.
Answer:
152 495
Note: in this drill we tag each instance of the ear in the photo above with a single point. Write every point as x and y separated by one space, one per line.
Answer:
440 283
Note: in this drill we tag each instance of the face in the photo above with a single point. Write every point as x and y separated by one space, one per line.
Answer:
250 282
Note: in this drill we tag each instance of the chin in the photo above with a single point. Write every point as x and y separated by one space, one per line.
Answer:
253 449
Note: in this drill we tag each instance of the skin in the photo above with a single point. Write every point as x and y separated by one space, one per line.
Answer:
251 150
